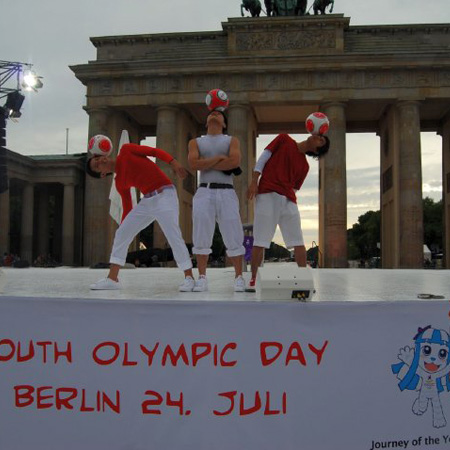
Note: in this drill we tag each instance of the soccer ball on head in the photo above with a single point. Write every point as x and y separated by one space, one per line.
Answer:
217 100
317 123
100 145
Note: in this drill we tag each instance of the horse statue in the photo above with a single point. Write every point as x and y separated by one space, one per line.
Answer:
270 7
252 6
286 7
300 9
321 5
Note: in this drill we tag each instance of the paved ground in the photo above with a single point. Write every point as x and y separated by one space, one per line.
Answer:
162 283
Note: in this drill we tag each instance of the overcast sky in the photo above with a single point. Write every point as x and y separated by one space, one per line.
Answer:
55 34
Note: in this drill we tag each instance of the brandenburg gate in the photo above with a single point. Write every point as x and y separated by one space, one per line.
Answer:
392 80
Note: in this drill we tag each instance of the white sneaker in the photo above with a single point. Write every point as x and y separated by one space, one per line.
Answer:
201 284
106 284
187 285
239 284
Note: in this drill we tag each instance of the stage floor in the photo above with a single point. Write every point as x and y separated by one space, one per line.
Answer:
162 284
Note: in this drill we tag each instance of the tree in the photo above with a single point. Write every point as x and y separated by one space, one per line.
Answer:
432 224
364 236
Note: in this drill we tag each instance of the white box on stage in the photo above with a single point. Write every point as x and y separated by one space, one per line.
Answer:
285 282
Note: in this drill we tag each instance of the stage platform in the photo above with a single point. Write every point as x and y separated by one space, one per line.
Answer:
162 284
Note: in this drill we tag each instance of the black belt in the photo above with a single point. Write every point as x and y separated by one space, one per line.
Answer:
216 185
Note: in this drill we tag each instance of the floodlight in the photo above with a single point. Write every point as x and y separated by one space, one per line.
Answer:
31 82
13 104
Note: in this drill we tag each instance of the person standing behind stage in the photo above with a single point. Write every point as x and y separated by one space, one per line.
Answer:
216 199
283 168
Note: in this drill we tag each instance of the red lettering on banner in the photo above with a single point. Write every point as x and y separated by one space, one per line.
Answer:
295 353
105 362
107 353
106 400
267 410
40 397
156 401
159 400
83 407
196 355
63 401
23 396
31 353
256 407
229 346
45 397
230 396
126 361
174 357
263 351
7 342
175 403
44 345
150 353
67 353
318 352
50 351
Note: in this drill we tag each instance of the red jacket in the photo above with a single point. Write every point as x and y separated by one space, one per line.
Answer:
135 170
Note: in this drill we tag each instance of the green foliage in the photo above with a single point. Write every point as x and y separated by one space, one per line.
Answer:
432 223
365 234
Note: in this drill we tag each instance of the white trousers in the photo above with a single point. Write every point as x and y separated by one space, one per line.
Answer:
221 206
273 209
163 208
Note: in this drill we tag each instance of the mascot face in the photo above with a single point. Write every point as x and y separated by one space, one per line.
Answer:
434 351
433 357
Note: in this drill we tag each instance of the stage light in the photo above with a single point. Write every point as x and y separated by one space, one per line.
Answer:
31 82
14 101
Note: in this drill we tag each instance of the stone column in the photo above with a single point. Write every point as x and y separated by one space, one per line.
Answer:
333 192
167 133
166 139
43 221
446 189
96 247
4 222
68 228
26 238
241 125
388 189
410 186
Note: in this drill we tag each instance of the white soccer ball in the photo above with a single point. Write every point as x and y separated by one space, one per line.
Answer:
317 123
100 145
217 100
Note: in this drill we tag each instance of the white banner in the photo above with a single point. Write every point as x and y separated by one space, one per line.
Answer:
109 374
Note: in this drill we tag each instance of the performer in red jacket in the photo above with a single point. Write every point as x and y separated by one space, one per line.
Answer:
283 168
134 169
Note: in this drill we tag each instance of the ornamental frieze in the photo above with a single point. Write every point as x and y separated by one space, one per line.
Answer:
272 81
285 40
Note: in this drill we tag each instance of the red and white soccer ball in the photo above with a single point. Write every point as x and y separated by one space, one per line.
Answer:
217 100
100 145
317 123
